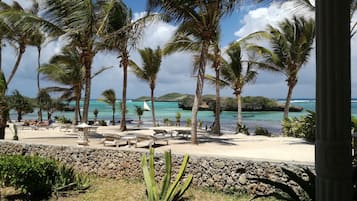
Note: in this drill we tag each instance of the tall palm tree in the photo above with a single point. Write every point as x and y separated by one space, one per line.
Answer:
235 76
66 69
120 33
291 46
201 20
110 98
148 72
79 20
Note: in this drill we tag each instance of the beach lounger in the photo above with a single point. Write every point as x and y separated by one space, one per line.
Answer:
111 140
162 132
183 133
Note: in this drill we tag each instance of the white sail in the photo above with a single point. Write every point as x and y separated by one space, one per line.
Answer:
146 106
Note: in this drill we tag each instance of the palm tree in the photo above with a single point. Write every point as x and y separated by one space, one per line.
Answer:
66 69
291 46
148 72
234 75
79 20
20 104
139 111
199 20
110 98
120 34
16 31
4 108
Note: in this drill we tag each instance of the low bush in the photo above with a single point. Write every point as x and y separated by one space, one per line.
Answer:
305 127
241 128
38 177
262 131
32 175
63 119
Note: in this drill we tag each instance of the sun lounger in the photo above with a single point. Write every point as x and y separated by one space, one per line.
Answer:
183 133
162 132
111 140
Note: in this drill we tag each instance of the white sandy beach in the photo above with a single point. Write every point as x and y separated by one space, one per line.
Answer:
228 145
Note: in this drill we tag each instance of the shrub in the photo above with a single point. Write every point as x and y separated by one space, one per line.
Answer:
167 121
241 128
38 177
169 191
32 175
188 122
102 123
302 128
63 119
261 131
354 123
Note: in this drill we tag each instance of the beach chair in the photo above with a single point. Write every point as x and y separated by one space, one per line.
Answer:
162 132
111 140
183 133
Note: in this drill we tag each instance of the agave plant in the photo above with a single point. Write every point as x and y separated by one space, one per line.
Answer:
173 192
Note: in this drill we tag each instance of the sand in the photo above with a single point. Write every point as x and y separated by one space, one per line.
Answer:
239 146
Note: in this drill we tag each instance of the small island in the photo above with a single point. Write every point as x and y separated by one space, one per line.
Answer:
249 103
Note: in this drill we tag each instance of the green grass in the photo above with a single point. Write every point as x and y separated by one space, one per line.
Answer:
127 190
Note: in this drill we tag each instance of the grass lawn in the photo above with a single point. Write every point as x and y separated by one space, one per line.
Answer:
113 190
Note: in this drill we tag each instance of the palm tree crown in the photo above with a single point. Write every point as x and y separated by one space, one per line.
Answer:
291 46
151 66
110 98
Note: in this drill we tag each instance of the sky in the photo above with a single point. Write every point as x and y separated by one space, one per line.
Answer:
176 70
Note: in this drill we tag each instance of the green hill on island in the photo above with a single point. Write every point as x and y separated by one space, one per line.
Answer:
249 103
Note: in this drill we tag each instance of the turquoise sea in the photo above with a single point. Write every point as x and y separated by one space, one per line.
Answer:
270 120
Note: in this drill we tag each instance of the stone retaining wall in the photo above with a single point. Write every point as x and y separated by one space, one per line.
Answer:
228 175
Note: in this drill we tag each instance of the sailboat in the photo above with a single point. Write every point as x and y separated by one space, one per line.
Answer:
146 106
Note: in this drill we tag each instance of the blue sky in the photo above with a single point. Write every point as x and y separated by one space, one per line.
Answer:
176 70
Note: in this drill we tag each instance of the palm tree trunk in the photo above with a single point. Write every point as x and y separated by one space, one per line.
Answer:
288 99
113 115
153 108
199 89
38 80
124 62
217 124
88 64
16 65
77 106
239 110
0 54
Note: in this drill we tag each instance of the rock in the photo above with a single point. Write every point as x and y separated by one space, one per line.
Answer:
242 179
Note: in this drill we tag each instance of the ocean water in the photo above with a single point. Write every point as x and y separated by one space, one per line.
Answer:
270 120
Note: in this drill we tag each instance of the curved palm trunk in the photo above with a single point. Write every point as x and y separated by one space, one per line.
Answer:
288 99
125 62
217 114
199 89
38 80
16 65
239 110
153 108
113 115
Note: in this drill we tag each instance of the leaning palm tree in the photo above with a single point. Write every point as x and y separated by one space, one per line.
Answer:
120 33
291 46
235 76
18 32
199 20
110 98
148 72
